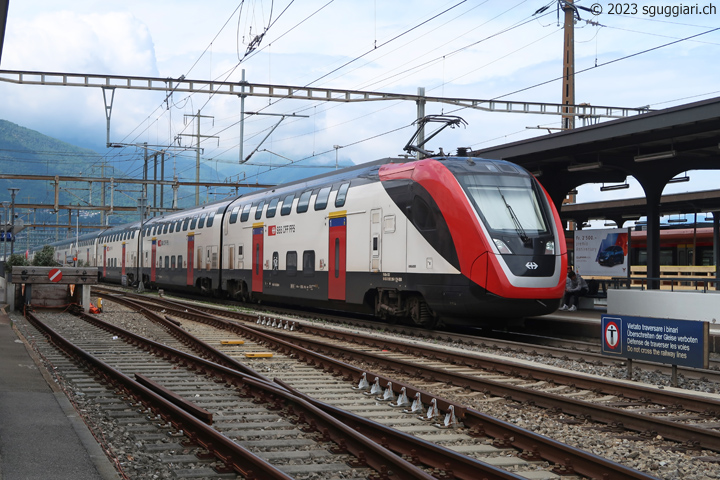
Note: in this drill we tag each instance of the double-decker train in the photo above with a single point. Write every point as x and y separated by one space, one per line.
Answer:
458 239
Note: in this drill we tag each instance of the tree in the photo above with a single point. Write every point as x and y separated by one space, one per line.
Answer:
45 257
16 260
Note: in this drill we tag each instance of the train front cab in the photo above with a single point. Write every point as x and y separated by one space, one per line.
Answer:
505 270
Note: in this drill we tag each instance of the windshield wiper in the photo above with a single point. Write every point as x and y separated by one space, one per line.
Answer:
518 227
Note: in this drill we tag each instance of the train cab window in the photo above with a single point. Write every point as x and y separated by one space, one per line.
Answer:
272 208
322 198
422 215
304 201
172 261
201 223
245 213
193 222
186 222
309 262
291 263
341 195
287 204
234 214
259 210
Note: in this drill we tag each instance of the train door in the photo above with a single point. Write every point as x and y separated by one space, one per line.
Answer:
337 255
190 256
153 259
122 261
230 257
213 253
375 240
257 257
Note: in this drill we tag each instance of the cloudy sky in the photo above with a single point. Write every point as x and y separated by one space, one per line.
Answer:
473 49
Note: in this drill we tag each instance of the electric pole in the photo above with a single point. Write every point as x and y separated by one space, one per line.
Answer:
197 158
568 84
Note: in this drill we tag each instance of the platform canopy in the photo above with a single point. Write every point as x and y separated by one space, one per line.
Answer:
652 147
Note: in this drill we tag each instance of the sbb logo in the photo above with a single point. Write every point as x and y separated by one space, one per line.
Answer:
272 230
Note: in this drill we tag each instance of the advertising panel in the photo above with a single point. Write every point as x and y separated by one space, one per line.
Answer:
601 252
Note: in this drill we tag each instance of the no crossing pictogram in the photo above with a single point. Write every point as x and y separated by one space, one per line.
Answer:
612 335
55 275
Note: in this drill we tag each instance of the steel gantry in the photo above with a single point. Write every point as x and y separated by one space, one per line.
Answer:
246 89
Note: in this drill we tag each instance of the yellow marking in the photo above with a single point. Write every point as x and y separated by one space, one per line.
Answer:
258 225
232 342
338 214
258 355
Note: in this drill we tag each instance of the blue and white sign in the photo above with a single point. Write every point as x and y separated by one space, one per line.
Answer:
674 342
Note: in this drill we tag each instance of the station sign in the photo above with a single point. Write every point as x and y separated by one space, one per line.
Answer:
674 342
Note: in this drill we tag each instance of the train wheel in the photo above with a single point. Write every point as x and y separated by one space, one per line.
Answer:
420 313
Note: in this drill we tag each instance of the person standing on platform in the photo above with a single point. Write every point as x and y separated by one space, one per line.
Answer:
575 287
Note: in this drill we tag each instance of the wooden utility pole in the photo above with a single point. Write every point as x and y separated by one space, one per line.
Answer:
568 84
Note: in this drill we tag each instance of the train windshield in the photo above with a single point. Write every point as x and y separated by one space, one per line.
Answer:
507 204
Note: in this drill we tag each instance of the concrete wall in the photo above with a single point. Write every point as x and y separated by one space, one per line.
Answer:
665 304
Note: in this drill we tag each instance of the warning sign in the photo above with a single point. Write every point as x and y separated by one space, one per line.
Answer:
612 336
55 275
662 340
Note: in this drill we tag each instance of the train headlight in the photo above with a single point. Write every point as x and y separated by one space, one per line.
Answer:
502 247
550 247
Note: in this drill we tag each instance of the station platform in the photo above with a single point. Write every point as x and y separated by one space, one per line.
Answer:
41 435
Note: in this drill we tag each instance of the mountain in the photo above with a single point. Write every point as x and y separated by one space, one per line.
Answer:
28 152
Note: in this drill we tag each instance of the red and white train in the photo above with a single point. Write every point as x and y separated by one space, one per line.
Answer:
464 240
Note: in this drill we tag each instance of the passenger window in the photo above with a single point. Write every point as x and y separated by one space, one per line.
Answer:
180 261
210 219
186 222
322 198
167 261
259 210
201 223
341 195
165 228
287 204
309 262
193 223
172 227
245 213
291 263
304 201
234 214
172 261
272 208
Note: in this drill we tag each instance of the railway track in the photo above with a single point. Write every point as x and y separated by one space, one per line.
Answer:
254 424
338 391
533 347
